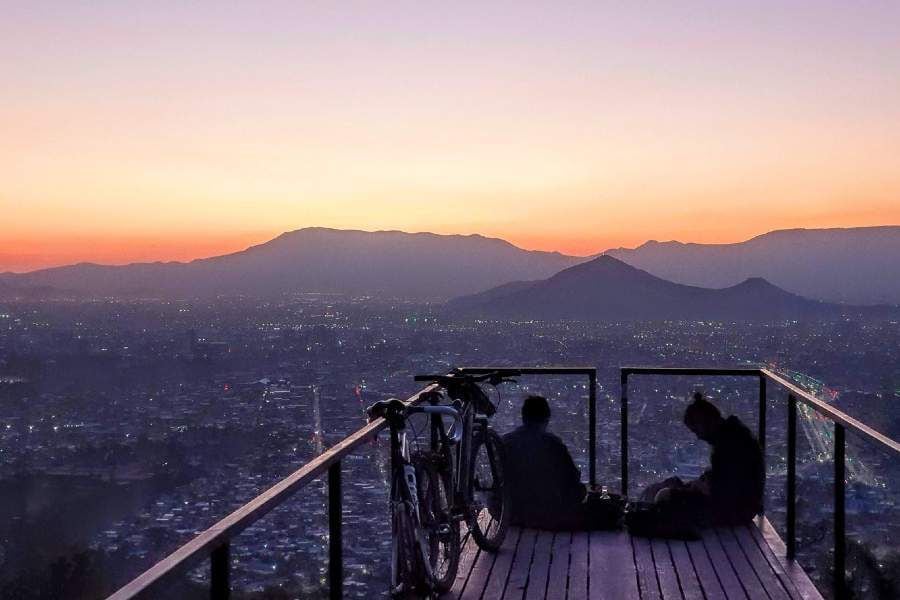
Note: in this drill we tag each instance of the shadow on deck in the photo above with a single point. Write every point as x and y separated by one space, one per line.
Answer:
727 563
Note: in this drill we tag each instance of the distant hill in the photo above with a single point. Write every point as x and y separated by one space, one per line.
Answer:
856 266
607 289
390 263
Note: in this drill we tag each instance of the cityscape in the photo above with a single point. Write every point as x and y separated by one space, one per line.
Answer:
228 229
127 427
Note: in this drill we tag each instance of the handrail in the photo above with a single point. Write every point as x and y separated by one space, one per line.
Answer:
832 413
805 397
215 541
217 537
841 420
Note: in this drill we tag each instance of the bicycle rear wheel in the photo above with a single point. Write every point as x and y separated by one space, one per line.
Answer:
489 512
407 572
440 530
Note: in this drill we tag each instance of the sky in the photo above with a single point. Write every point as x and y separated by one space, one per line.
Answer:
134 131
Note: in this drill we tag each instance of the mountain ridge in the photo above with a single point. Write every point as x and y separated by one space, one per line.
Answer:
607 289
392 263
852 265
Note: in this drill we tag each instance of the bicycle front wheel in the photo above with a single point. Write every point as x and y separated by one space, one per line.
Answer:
440 530
489 512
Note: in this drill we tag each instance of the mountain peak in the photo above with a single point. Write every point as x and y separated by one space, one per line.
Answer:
607 289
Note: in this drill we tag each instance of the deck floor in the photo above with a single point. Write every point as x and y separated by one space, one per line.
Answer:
728 563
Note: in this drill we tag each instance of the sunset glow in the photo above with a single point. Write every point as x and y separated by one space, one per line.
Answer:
171 132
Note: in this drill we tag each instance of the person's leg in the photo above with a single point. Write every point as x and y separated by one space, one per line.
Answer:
649 494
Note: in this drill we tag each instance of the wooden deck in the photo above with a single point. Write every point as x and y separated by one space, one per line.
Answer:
728 563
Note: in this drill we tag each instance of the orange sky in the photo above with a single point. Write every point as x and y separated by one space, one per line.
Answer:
161 134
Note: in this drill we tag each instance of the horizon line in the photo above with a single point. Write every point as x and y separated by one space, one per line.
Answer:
461 235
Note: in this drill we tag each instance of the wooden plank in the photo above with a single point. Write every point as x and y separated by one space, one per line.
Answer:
612 569
483 567
665 570
578 566
468 555
756 538
684 569
766 535
540 566
773 585
706 574
558 578
646 570
724 571
493 586
747 576
518 572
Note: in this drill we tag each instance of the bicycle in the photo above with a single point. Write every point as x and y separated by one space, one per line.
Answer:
425 546
458 479
480 497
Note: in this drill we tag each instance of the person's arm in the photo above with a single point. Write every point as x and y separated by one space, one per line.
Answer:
570 475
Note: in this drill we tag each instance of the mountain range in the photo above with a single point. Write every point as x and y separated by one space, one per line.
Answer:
608 289
422 266
856 266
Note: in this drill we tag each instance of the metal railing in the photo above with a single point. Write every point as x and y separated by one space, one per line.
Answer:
215 542
841 421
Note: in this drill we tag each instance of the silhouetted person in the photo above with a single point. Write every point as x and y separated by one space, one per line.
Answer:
730 492
544 482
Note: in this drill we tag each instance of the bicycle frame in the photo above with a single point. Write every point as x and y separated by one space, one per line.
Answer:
472 425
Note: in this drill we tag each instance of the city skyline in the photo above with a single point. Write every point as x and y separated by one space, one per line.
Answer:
146 133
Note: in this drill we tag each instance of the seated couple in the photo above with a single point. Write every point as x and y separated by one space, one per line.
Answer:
547 493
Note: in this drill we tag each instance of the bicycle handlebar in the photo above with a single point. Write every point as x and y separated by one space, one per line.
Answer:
494 377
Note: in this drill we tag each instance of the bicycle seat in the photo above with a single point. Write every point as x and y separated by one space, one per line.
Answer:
385 407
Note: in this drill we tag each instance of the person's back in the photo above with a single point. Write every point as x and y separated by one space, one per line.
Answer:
737 473
544 483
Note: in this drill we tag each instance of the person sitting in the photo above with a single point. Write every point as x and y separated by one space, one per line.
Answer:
730 492
545 485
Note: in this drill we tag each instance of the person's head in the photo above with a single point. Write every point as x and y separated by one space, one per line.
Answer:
702 417
535 411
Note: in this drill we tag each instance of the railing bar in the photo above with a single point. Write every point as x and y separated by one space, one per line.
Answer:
834 414
791 517
623 433
761 428
220 572
592 427
335 534
531 370
840 535
821 407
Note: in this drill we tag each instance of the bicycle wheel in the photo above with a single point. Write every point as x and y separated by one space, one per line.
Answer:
406 568
440 531
489 513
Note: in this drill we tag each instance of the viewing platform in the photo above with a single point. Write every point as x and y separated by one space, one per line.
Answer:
727 563
750 562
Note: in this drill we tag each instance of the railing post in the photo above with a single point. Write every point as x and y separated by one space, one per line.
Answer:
623 417
791 541
761 435
840 535
592 426
220 572
335 535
